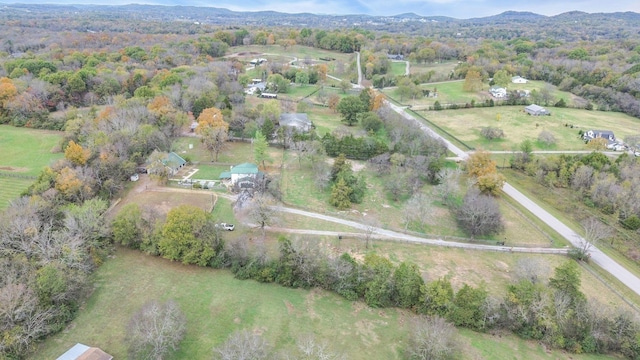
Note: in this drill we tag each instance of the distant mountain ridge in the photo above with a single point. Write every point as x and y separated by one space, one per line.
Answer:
405 22
206 10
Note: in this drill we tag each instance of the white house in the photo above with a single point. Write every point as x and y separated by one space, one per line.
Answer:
244 175
605 134
498 92
519 80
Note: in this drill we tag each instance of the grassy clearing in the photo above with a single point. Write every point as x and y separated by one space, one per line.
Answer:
209 172
216 304
518 126
11 188
27 151
306 54
398 68
441 70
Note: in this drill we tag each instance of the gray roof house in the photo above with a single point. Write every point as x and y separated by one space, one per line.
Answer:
84 352
536 110
298 121
593 134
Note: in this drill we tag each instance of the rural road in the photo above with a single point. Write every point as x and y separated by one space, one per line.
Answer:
380 233
597 256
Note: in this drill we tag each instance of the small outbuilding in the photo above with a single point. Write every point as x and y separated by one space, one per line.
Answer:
297 121
84 352
174 162
536 110
519 80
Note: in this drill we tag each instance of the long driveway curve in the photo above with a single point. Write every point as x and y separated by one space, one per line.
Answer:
597 256
380 233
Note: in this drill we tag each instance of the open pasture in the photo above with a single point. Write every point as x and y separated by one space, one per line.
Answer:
518 126
11 188
216 304
27 151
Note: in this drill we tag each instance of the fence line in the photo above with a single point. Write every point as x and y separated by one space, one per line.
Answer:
20 176
418 115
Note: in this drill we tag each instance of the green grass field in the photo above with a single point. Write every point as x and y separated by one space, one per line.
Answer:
216 305
466 124
25 153
398 68
11 188
28 151
451 92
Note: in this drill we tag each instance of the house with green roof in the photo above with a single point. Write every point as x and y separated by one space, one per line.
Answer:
174 162
242 173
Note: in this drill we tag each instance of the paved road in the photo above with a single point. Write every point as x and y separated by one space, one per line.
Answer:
597 256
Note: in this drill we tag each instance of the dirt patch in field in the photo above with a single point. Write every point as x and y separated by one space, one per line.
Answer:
291 310
367 331
13 169
310 302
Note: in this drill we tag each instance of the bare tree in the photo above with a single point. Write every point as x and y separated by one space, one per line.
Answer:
371 225
243 345
491 133
155 330
418 209
431 338
449 184
583 178
215 140
533 269
547 138
262 211
479 214
309 348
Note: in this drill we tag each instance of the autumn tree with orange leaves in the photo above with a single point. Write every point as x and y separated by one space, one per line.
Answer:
76 153
211 118
483 170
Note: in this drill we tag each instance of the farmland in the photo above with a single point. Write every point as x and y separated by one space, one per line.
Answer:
25 153
279 314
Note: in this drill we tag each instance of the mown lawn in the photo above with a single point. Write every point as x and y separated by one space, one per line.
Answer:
25 152
466 125
11 188
28 151
216 304
398 68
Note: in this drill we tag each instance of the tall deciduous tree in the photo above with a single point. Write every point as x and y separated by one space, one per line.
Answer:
483 169
215 140
155 330
76 153
479 214
472 82
211 118
349 107
243 345
189 236
431 338
260 149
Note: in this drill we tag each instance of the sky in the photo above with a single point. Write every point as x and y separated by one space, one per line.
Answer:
461 9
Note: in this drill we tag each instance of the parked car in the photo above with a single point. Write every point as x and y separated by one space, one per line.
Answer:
637 153
225 226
